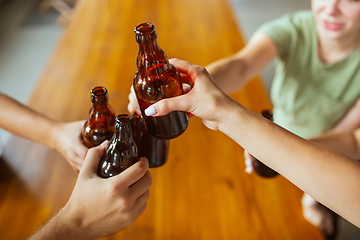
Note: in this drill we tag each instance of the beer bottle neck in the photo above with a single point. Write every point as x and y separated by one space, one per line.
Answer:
124 125
100 106
123 129
150 53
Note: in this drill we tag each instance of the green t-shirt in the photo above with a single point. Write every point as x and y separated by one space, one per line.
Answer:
309 97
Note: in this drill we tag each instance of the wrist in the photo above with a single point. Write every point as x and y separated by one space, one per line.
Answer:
232 115
55 136
72 224
64 225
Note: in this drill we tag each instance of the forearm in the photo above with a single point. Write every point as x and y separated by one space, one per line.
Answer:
350 121
24 122
347 143
232 73
328 176
61 226
229 73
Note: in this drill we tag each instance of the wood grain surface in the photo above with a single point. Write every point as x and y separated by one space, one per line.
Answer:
202 192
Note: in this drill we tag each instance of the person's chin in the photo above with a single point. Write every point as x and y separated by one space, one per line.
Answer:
332 34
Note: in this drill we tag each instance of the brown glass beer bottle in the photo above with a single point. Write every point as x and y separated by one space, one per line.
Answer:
154 149
154 80
121 150
100 124
260 168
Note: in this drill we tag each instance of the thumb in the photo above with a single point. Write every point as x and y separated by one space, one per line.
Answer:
167 105
92 160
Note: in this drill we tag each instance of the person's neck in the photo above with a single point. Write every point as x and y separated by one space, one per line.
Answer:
332 51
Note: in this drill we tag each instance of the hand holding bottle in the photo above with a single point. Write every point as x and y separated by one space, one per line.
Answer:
122 197
30 124
68 142
204 100
133 106
100 207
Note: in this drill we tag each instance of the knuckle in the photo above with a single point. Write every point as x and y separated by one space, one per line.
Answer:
148 178
142 165
114 188
200 70
164 105
126 203
146 196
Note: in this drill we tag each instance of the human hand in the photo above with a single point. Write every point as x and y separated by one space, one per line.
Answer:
204 100
133 105
68 142
100 207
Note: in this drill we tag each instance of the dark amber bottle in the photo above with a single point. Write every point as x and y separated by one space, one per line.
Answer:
154 80
100 124
154 149
121 151
260 168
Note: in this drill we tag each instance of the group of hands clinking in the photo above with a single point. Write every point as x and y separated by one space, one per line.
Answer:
124 196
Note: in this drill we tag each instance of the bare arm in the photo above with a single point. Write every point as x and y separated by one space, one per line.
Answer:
345 136
350 121
347 142
25 122
232 73
330 177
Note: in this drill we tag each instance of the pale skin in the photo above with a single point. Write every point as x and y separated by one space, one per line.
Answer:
330 177
27 123
99 207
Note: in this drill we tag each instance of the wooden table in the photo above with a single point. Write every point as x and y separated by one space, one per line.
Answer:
202 192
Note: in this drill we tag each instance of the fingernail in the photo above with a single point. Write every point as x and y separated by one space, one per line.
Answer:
150 111
104 143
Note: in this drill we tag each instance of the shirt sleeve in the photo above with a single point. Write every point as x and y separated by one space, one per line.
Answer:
283 32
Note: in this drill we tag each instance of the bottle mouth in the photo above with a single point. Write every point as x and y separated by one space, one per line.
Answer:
144 28
145 33
124 118
99 93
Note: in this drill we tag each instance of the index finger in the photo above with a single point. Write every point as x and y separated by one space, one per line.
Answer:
191 70
133 173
